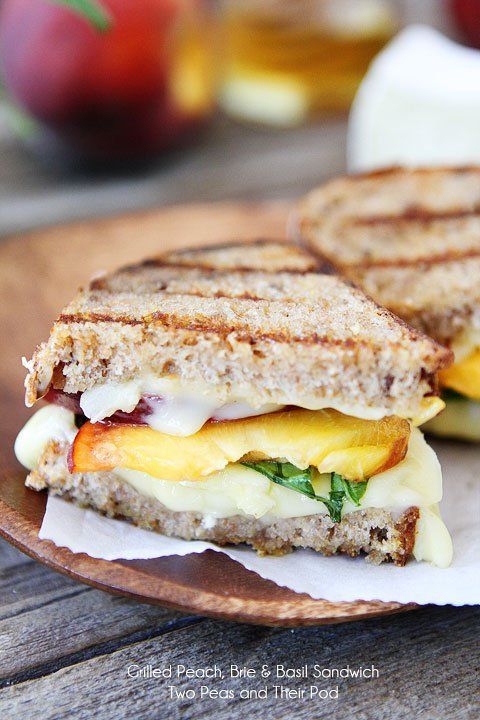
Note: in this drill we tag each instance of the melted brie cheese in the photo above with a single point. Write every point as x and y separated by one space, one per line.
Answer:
51 422
460 419
432 540
184 409
429 408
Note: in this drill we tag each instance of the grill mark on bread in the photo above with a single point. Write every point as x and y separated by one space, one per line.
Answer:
211 327
422 261
181 259
96 318
257 242
289 249
161 263
321 266
416 214
218 294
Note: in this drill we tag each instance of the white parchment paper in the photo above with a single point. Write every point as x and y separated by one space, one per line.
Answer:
335 578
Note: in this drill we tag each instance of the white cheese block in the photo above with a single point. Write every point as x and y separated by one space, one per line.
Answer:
419 104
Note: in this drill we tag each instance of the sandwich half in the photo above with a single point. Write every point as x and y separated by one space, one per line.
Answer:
411 240
242 394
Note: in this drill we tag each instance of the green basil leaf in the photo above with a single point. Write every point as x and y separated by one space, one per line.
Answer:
355 490
336 497
294 478
287 475
449 394
92 10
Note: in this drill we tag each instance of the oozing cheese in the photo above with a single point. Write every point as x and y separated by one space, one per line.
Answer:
182 411
460 419
49 423
429 408
432 541
185 408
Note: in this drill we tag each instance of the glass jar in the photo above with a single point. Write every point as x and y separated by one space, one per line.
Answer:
287 61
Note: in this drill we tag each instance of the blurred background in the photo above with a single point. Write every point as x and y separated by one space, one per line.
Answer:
117 105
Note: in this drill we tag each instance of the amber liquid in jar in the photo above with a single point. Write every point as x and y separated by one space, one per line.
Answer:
287 61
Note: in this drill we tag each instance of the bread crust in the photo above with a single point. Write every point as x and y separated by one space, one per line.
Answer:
372 532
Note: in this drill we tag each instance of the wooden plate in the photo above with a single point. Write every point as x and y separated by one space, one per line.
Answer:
39 272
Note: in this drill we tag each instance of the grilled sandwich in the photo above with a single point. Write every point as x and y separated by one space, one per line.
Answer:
242 394
411 240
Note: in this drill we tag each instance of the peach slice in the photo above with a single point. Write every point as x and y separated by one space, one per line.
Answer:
326 439
464 376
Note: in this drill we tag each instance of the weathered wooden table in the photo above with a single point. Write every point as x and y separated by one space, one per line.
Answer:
69 651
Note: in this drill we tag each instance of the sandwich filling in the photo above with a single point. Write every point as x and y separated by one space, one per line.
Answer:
461 391
270 464
178 408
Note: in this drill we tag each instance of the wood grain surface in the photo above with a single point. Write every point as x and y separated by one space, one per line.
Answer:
65 650
209 583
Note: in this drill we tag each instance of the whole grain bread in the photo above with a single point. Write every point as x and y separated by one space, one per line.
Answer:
374 532
269 255
409 237
287 334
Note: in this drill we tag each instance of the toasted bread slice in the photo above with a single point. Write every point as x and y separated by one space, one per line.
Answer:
376 532
409 238
267 255
226 270
288 336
